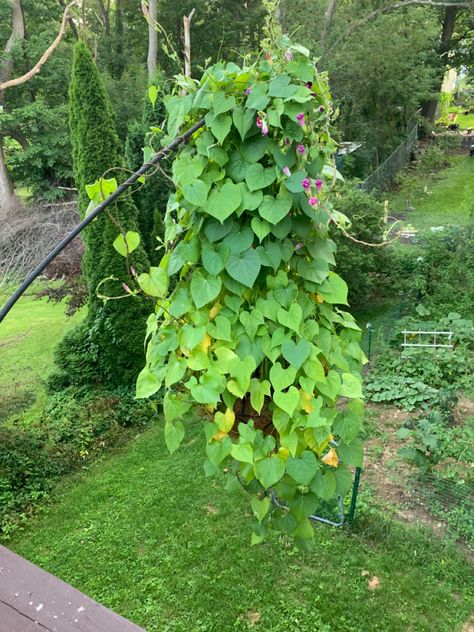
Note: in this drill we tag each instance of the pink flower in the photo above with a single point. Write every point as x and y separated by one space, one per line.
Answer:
313 201
268 57
301 149
126 288
133 271
318 184
300 118
287 141
264 128
248 91
288 55
286 171
298 246
306 183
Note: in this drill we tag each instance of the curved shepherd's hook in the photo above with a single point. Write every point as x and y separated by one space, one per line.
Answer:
87 220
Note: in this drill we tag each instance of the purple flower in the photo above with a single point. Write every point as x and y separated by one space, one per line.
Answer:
313 201
287 141
248 91
264 128
286 171
300 118
301 149
318 184
309 85
305 183
288 55
322 108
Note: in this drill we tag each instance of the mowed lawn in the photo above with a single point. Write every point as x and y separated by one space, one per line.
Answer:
28 337
151 537
448 199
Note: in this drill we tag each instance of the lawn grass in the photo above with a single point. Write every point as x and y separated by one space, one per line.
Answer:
465 120
148 535
28 336
448 198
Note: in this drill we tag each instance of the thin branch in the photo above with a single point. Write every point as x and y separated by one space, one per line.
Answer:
394 7
36 69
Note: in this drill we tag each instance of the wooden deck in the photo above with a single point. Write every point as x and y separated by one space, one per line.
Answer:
32 600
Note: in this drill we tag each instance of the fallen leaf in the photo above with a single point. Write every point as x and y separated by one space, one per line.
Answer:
373 583
253 617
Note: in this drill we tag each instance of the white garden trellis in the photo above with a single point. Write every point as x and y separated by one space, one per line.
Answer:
436 339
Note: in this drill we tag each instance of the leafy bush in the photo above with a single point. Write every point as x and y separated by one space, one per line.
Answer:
362 267
447 271
73 426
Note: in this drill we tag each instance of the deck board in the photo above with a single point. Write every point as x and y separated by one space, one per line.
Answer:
32 600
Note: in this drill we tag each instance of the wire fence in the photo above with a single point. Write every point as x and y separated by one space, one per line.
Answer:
384 175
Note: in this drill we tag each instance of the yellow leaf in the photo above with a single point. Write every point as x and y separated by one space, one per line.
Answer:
319 298
205 344
219 435
215 309
225 421
316 447
331 458
306 402
284 453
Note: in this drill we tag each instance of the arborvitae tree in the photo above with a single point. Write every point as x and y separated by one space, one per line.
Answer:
106 347
152 197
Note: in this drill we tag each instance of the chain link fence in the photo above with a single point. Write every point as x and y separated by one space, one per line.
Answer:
381 178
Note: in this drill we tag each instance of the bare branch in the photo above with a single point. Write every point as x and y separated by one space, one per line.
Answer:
36 69
187 42
469 4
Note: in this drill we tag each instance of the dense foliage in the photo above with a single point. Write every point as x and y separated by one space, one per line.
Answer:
251 329
73 427
105 347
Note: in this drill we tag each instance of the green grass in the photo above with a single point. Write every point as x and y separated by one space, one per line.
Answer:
448 199
28 336
465 120
148 535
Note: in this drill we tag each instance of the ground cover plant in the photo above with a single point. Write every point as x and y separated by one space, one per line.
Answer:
250 328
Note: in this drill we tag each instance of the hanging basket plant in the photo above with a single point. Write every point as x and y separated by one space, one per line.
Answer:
248 323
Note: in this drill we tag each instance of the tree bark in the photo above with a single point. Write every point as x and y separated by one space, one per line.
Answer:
187 43
428 109
8 200
152 40
328 16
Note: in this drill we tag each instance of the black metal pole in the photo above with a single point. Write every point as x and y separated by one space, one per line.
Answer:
87 220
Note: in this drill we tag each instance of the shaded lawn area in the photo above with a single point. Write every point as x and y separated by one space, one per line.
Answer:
146 534
28 337
449 199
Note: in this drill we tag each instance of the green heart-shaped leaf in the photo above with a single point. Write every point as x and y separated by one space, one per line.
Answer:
275 209
257 177
204 288
244 266
287 401
302 469
281 378
260 227
291 318
269 470
296 354
222 203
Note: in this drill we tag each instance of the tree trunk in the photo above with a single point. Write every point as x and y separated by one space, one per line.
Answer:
8 200
328 16
429 108
152 40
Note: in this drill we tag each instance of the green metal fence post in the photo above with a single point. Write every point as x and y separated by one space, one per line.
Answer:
355 491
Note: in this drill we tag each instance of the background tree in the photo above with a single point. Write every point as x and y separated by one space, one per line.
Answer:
105 347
